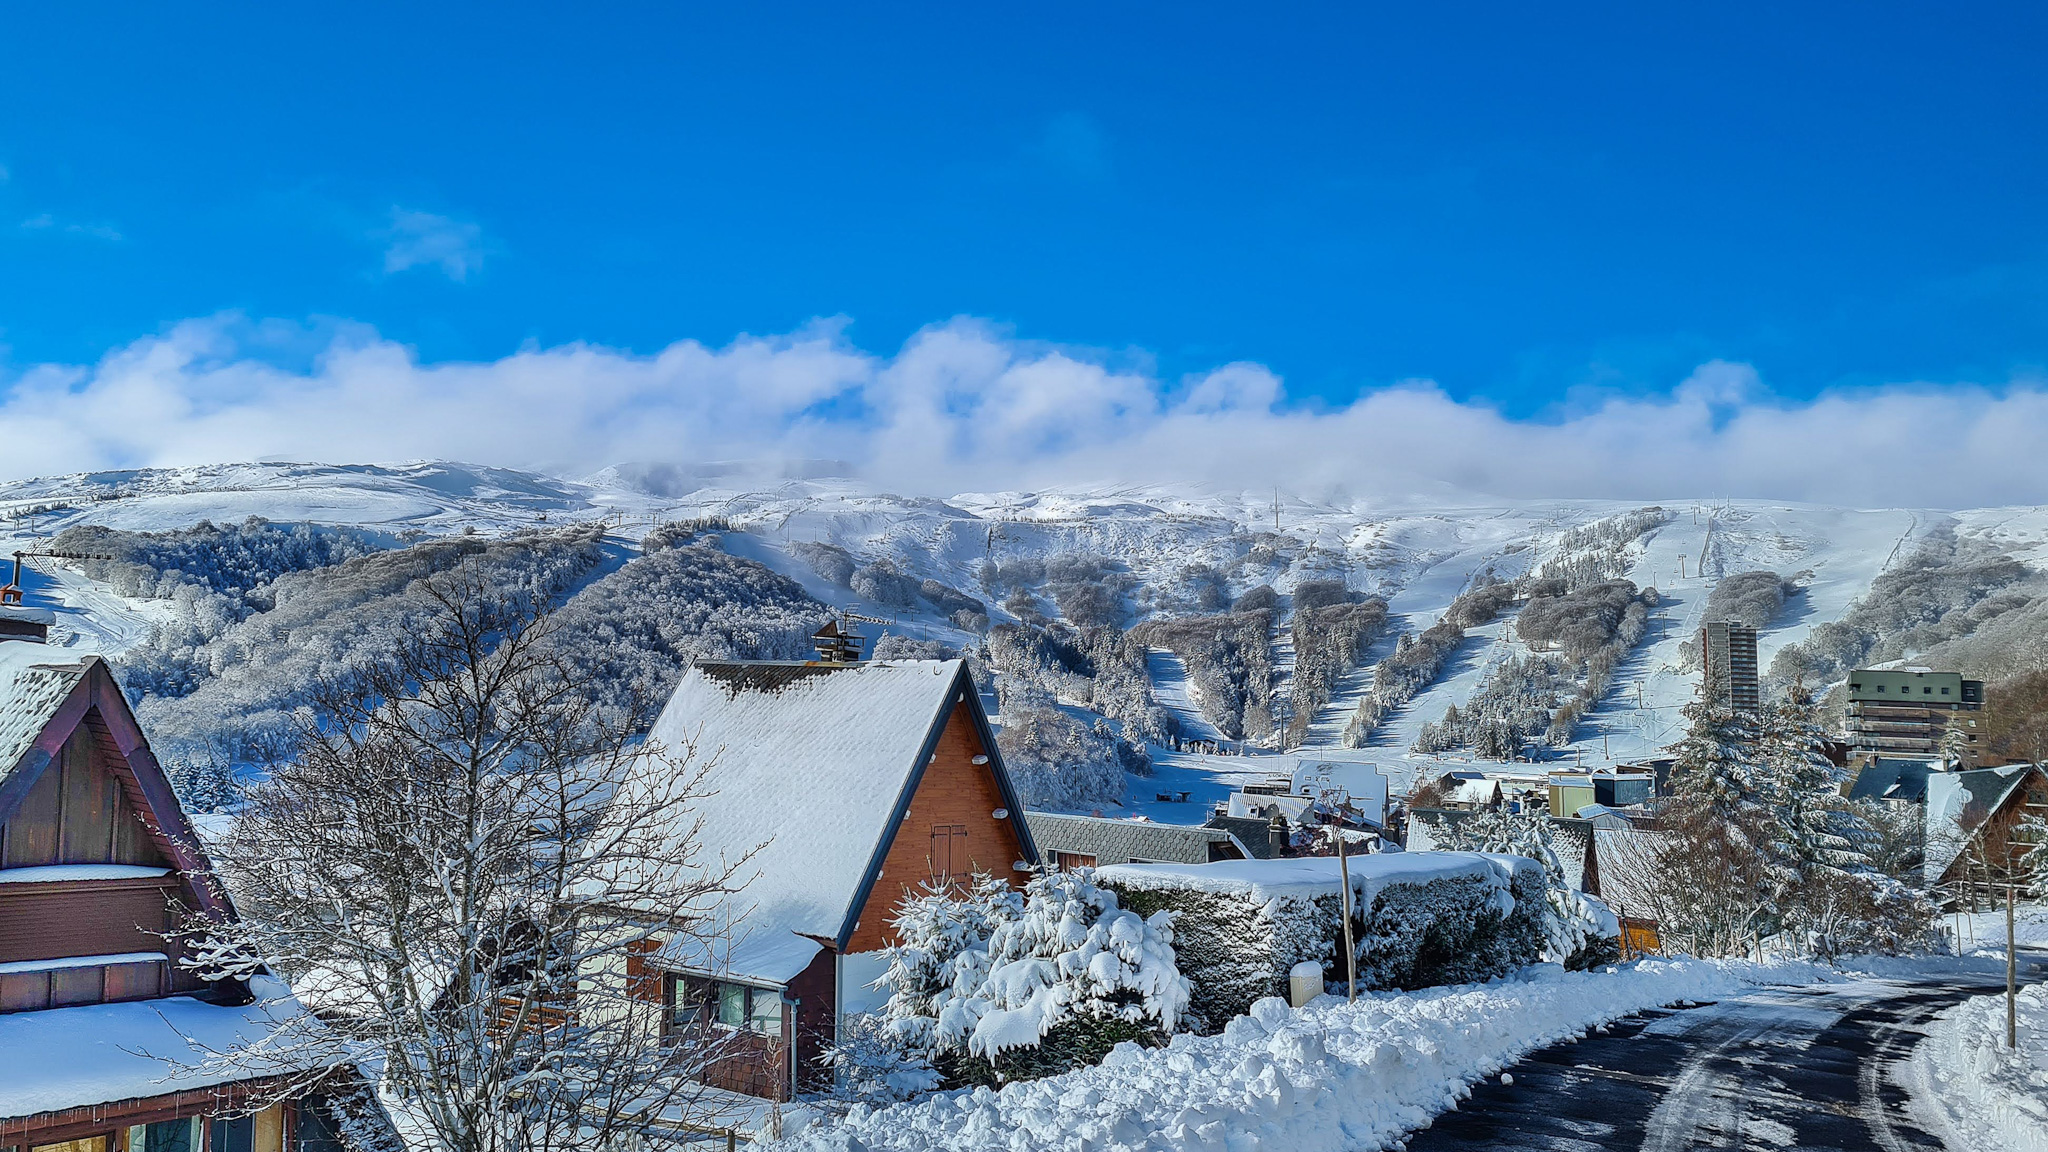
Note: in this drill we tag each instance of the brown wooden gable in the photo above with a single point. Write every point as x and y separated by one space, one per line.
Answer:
90 791
947 829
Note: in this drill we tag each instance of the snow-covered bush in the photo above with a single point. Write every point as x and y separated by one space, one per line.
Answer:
1579 931
883 583
676 533
1418 919
951 602
229 559
896 646
830 561
998 985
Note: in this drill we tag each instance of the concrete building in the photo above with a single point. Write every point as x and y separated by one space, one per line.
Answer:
1905 711
1728 653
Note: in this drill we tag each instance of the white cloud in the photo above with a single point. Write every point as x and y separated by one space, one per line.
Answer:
416 239
45 222
963 406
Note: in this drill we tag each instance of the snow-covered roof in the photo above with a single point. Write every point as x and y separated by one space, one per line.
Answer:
771 957
34 680
1957 804
1121 841
810 765
1309 876
1257 806
103 1053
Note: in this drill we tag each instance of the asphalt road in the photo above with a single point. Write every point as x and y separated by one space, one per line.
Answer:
1803 1068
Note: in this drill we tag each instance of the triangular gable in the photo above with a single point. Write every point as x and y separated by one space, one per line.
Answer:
95 702
962 695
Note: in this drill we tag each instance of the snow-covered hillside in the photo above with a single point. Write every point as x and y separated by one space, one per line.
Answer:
1160 551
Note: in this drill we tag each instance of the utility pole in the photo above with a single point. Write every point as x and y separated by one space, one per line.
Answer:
2012 993
1350 949
1276 510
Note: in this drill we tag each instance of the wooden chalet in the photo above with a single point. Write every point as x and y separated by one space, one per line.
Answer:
1973 824
853 785
102 1033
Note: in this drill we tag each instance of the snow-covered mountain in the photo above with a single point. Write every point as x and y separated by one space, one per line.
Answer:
1164 551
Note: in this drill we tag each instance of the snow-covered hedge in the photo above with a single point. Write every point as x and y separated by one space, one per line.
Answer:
998 985
1419 919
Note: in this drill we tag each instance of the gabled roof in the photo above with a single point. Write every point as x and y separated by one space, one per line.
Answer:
812 766
34 680
1958 804
1893 778
44 697
1122 841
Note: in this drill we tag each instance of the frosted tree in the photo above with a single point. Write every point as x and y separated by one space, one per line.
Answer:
448 872
1578 930
1799 782
993 985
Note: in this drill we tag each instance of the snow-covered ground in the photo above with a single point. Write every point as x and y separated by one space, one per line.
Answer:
1331 1075
1975 1091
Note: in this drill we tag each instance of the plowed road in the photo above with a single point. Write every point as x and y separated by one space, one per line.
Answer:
1806 1068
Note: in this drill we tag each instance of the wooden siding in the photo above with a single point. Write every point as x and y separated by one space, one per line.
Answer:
78 812
84 918
948 832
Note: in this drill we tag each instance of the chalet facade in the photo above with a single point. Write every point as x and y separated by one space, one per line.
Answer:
101 1030
846 787
1973 828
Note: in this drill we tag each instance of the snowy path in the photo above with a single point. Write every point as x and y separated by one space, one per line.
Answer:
1171 688
1808 1067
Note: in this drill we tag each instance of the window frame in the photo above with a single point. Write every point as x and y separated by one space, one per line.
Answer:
695 1001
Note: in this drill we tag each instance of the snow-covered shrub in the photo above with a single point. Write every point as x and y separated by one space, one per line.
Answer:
830 561
950 601
229 559
883 583
1000 986
896 646
632 632
1260 599
676 533
1417 919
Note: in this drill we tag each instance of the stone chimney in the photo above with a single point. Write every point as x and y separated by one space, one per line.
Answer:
1277 836
20 622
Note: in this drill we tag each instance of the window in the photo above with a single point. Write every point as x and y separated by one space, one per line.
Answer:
1944 691
236 1135
1068 861
699 1000
949 852
1929 691
165 1136
1880 687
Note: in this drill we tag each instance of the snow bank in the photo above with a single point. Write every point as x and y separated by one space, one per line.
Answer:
1331 1075
1964 1079
1418 919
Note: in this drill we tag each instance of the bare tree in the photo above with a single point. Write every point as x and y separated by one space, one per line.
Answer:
450 874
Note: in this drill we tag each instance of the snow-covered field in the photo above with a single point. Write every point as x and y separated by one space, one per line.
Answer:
1975 1091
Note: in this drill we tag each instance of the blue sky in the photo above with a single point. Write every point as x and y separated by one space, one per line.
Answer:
1517 202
